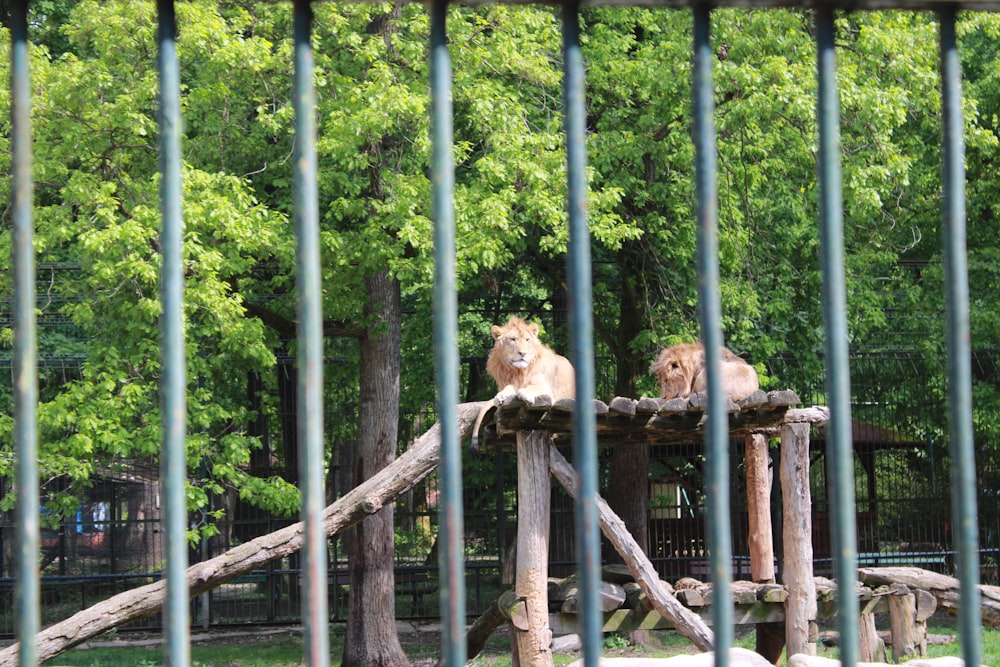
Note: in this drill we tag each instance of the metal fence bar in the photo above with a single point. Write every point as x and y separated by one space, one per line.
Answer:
445 305
840 455
309 291
588 550
173 391
710 315
25 366
963 470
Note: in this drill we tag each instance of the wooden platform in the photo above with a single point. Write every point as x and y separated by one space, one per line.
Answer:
652 420
538 429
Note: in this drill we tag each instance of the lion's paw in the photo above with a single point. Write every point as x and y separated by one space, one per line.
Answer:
505 395
534 397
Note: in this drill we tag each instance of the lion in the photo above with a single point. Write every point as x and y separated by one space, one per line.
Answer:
524 367
680 370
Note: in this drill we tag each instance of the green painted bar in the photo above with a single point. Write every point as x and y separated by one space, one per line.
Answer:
963 470
173 390
840 454
588 550
710 316
25 359
446 360
309 351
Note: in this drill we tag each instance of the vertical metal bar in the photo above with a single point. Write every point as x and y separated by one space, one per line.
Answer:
445 304
173 394
710 312
310 344
26 590
840 455
963 470
581 334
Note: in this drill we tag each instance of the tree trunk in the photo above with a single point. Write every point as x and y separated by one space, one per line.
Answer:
629 461
371 639
406 472
628 494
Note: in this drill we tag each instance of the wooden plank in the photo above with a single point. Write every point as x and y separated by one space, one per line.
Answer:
622 406
648 405
754 400
621 620
785 398
817 415
698 402
828 608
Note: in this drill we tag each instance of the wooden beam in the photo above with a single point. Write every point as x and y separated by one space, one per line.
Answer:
532 645
797 566
760 540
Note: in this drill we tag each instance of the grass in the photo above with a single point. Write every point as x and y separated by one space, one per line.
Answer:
284 649
276 651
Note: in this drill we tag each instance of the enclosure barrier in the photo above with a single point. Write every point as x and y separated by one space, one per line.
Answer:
173 400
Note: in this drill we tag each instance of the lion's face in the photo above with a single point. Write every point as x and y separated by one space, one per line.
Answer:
517 342
676 368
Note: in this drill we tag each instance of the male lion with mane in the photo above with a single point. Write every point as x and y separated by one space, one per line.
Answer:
680 370
523 366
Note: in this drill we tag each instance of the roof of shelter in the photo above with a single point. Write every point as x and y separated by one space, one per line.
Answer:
872 436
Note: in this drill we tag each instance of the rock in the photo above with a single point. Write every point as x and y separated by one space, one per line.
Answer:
738 657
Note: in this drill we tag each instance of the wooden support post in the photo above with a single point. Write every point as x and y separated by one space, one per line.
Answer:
902 622
926 606
770 636
797 566
531 646
872 646
759 508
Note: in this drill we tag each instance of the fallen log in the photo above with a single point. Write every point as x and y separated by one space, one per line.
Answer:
686 621
941 586
364 500
499 612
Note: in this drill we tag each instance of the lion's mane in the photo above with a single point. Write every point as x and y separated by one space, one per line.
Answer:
525 367
545 370
680 371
